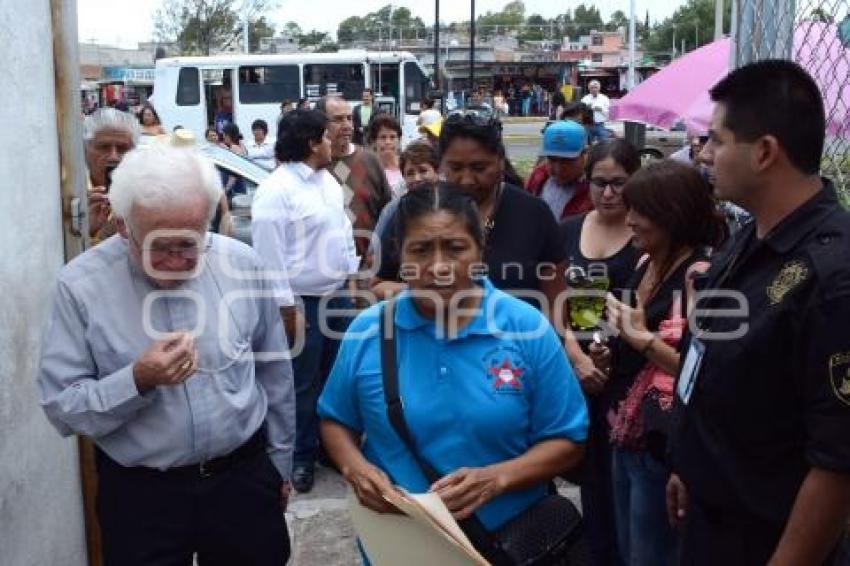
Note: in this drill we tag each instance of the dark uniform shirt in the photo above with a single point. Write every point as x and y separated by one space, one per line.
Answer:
768 406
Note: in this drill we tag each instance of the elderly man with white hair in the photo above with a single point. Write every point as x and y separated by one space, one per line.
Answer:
165 346
108 135
601 106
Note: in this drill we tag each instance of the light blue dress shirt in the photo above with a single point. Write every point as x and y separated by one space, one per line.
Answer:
105 315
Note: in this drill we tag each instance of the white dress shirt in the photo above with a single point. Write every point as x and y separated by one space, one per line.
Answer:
262 154
299 227
600 104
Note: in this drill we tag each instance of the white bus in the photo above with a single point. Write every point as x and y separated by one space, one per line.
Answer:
188 91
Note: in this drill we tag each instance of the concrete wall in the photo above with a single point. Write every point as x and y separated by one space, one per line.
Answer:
40 503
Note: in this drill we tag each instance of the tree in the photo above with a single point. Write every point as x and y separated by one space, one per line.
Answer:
586 19
535 27
510 18
312 38
693 22
292 29
821 15
257 30
200 27
618 20
350 29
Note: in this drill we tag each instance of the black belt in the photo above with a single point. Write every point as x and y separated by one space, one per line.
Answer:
208 468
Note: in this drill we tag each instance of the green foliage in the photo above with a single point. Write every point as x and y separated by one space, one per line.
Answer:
200 27
378 25
257 30
312 38
693 22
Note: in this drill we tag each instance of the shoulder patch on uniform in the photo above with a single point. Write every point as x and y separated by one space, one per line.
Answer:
792 274
839 376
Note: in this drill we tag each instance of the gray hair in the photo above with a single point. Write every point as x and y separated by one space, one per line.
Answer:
594 82
163 175
111 119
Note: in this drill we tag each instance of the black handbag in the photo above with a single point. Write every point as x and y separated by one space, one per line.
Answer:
550 532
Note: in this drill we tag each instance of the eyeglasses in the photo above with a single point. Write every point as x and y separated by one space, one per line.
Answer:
616 185
186 250
476 118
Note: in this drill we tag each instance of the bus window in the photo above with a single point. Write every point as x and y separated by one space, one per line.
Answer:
272 84
415 87
335 78
188 87
385 79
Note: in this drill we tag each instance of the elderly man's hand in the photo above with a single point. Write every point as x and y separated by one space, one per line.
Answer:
167 362
99 209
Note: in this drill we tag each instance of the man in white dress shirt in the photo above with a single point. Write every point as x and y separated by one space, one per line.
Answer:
300 228
261 151
601 105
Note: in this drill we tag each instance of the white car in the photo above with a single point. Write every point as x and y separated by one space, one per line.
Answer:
228 162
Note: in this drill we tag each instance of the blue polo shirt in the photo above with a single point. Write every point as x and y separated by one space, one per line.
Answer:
488 395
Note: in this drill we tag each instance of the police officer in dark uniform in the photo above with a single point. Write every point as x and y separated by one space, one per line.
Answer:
761 454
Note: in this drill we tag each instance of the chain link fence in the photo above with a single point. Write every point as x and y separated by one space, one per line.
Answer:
816 34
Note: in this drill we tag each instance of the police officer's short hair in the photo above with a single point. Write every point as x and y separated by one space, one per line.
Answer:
776 98
295 132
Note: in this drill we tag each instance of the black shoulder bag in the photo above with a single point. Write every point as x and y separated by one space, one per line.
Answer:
548 533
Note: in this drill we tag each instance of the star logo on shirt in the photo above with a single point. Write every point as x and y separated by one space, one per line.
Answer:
507 376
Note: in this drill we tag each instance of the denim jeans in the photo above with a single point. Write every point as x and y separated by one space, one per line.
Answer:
597 132
310 369
644 535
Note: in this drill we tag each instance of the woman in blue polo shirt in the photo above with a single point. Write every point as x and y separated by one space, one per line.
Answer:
489 396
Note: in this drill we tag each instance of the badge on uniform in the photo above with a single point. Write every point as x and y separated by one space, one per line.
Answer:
792 274
839 376
690 370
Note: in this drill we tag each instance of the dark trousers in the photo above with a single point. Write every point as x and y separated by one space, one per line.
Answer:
310 369
150 518
710 538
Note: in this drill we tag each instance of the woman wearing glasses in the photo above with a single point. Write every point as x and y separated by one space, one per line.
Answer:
522 250
600 259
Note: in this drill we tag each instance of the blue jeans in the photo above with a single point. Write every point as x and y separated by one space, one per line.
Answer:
644 535
597 132
310 369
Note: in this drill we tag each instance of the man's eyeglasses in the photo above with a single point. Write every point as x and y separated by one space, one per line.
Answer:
601 184
157 250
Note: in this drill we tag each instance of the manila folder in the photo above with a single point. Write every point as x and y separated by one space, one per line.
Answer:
425 535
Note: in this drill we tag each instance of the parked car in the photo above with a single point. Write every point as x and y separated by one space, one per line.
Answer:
228 162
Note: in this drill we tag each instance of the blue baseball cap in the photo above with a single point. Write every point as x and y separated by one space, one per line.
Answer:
564 138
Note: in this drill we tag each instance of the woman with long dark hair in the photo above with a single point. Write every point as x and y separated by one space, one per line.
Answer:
675 223
489 397
522 250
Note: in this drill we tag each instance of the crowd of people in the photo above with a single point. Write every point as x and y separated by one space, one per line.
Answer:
428 319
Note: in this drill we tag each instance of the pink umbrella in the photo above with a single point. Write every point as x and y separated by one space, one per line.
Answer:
679 92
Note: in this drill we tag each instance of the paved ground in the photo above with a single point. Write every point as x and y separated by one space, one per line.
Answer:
320 528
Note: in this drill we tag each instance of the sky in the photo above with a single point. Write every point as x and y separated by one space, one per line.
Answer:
124 23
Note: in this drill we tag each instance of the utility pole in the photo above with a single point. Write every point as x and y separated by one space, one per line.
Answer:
437 82
718 19
472 47
245 44
630 79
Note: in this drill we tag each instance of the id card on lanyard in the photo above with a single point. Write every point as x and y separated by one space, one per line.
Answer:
690 370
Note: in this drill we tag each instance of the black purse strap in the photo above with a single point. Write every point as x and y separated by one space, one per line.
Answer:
392 397
472 527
